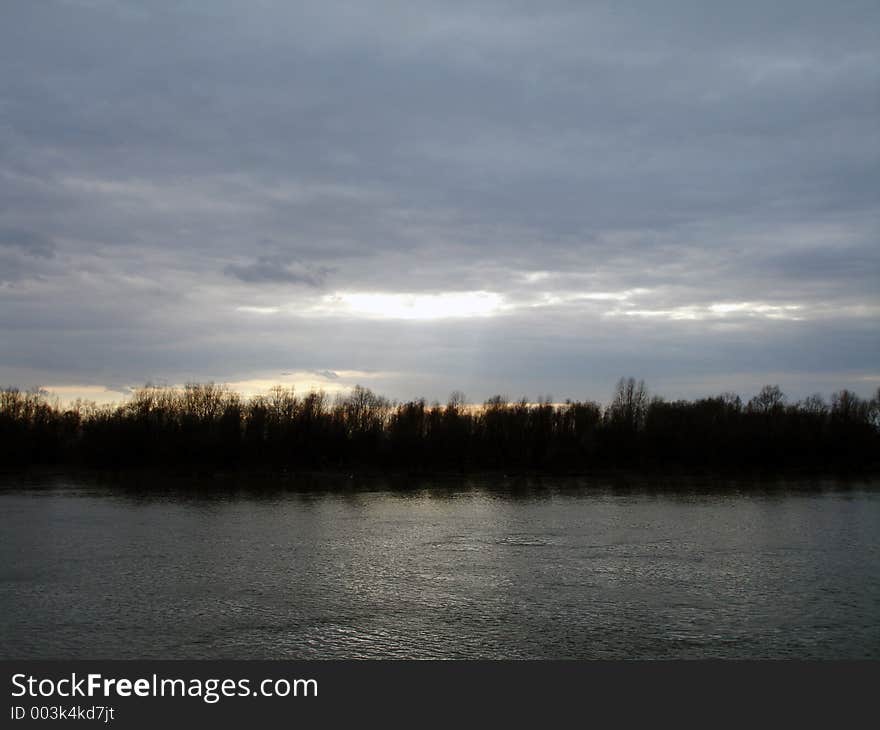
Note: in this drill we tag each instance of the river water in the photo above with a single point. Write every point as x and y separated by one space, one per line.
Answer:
152 567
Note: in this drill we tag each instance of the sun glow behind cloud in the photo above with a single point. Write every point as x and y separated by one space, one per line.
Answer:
447 305
434 306
474 304
98 394
330 382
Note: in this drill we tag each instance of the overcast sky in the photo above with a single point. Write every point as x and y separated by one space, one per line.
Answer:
514 197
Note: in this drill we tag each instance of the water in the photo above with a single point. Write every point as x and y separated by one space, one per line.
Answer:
459 569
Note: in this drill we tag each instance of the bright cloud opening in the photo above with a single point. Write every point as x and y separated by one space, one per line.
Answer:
415 306
716 311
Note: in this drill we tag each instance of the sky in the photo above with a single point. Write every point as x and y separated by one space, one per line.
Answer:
531 199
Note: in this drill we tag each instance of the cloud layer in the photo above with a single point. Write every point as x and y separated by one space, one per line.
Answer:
436 195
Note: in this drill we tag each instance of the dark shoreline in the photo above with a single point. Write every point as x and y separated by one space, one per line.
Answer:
344 480
208 428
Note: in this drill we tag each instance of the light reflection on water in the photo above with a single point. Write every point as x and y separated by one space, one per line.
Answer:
336 567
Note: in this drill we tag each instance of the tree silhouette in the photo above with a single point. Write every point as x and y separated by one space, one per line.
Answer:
210 425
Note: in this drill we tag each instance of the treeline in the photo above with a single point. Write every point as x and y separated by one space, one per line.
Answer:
208 425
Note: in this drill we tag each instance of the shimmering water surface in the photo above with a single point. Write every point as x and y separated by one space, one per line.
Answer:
152 568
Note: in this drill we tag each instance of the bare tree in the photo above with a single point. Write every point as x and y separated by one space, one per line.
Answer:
630 404
768 400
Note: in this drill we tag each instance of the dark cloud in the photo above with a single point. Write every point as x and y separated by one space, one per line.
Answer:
27 242
273 270
23 255
329 374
